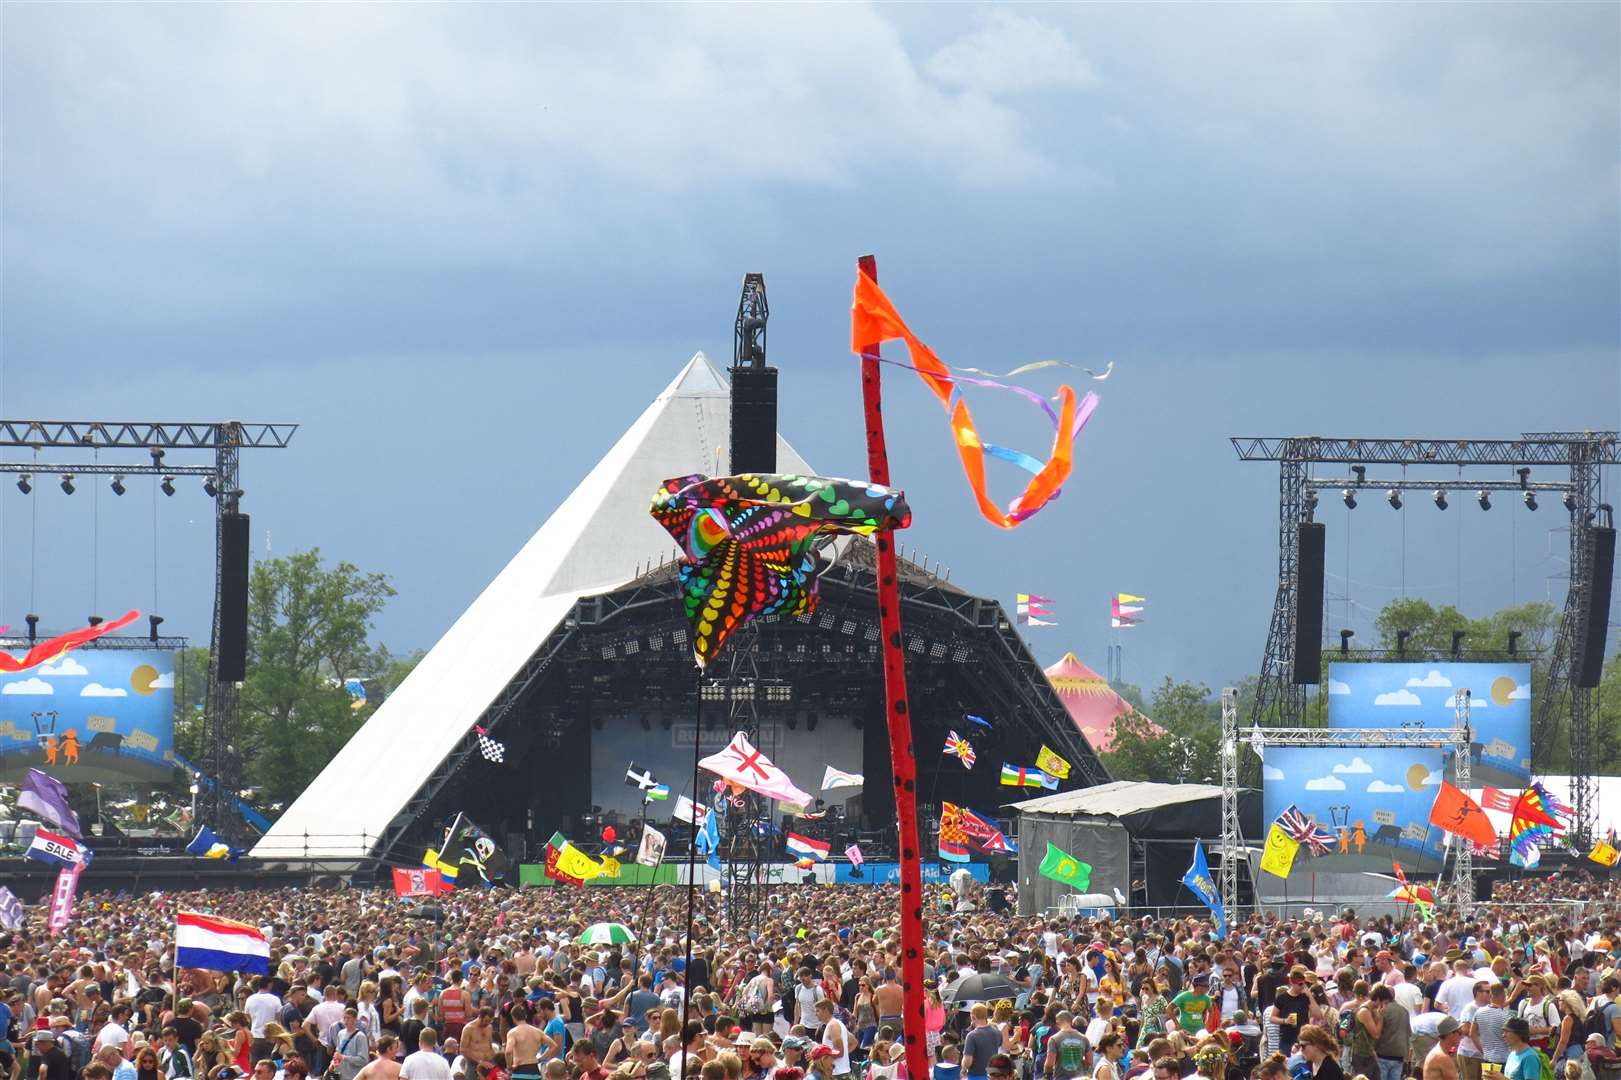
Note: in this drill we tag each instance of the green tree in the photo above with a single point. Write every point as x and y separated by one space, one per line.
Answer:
190 695
1180 744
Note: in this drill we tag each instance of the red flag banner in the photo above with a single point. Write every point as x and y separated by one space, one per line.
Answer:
416 881
1454 811
1498 799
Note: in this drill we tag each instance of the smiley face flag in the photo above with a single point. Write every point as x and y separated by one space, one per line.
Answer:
1278 858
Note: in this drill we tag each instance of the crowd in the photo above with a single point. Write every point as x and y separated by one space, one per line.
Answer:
490 985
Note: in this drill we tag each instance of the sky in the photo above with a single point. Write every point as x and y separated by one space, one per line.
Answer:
464 245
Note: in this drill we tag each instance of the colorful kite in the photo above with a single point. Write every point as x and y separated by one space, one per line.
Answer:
956 744
1124 609
1033 610
749 543
46 651
1019 776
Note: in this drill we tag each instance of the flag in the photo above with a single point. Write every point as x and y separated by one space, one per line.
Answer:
1034 610
568 864
11 909
1278 857
651 850
688 811
45 795
67 886
1497 799
448 871
215 944
1002 844
1604 853
956 744
953 841
1258 743
208 844
57 850
833 779
980 720
853 853
1455 812
1202 885
493 751
1019 776
644 781
415 881
1531 808
1303 830
707 840
1051 764
1065 868
743 765
987 833
802 864
610 866
805 847
1124 609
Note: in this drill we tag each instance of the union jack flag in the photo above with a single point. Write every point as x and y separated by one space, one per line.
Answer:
1304 830
956 744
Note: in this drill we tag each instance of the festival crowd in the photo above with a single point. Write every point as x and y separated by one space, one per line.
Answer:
490 985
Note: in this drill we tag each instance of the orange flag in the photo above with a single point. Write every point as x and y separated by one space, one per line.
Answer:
1457 813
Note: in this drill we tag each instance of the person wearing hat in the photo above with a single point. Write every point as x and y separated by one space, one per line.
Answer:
1439 1063
48 1060
1193 1005
761 1063
795 1052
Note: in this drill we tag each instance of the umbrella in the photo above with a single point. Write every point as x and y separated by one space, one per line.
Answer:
984 986
1412 894
606 933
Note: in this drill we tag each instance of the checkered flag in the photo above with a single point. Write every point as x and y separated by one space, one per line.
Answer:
492 750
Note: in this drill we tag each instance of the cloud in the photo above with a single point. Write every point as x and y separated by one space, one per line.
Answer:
29 686
1271 772
1521 692
95 689
1380 787
1337 687
1476 701
1433 779
1325 783
1433 679
1355 765
66 666
1010 53
1398 697
164 681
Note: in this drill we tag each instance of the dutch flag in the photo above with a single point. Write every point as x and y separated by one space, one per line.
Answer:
805 847
214 944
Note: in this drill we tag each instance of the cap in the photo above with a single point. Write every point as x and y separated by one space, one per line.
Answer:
1382 954
795 1042
821 1052
1446 1026
1001 1063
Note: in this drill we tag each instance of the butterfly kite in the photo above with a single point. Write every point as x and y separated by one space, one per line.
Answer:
750 543
956 744
46 651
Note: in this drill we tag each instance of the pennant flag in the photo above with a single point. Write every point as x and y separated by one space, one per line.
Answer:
707 840
1278 857
1033 610
853 853
1303 830
1455 812
956 744
447 870
1202 885
651 850
953 842
493 751
805 847
1065 868
1497 799
1604 853
208 844
1124 609
980 720
215 944
54 850
833 779
11 909
1019 776
688 811
67 886
741 764
415 881
45 795
1051 764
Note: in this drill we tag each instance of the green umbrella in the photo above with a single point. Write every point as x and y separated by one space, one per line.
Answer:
606 933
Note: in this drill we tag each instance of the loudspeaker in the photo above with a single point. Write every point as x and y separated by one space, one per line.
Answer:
1310 540
1600 544
231 650
754 420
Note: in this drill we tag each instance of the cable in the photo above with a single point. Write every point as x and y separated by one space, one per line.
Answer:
1404 537
33 537
95 540
155 481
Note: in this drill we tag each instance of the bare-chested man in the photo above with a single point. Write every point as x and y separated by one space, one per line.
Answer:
383 1066
524 1045
1439 1063
886 999
478 1040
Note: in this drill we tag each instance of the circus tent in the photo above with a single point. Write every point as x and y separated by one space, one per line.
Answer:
1090 700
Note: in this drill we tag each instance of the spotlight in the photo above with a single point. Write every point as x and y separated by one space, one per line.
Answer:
1401 641
23 484
1345 641
118 485
1440 499
95 620
1457 642
1350 498
1361 473
67 484
1524 473
1570 502
157 453
209 489
167 487
1514 642
1484 498
33 626
1393 497
1530 500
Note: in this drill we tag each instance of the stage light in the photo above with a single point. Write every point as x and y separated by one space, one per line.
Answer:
118 485
67 484
1345 641
1311 503
1484 498
1457 642
157 453
1350 498
1393 497
33 626
1570 502
1524 473
23 485
1514 642
1361 474
155 621
167 487
1401 641
95 620
209 489
1530 500
1440 499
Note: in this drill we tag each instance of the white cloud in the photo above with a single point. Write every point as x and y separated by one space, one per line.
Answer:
1355 765
1009 53
1433 779
66 666
1433 679
1271 772
1380 787
1337 687
95 689
1521 692
1325 783
29 686
1398 697
164 681
1476 701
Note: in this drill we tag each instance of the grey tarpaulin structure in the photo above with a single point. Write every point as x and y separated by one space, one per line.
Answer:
1130 831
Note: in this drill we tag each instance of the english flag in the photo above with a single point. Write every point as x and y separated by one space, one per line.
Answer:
743 765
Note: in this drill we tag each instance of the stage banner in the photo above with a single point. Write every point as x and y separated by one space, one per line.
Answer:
92 716
889 873
1375 801
533 875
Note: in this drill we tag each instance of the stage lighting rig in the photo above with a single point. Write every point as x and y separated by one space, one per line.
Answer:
1401 642
23 484
1350 498
1484 498
154 621
67 483
1345 641
167 487
1514 642
118 485
1530 498
1457 642
210 489
1440 499
1393 497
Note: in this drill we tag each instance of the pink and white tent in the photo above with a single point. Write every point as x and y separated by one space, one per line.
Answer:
1089 699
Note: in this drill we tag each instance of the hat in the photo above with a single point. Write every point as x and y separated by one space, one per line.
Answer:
60 1021
1002 1063
796 1042
763 1044
1446 1026
1382 954
820 1051
1201 978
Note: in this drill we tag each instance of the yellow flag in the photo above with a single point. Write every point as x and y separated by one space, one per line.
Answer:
610 866
1279 856
1604 853
576 863
1051 764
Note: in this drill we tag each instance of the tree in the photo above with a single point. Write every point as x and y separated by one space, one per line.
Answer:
1179 745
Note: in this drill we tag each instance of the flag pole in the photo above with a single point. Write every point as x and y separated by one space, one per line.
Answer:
902 761
692 846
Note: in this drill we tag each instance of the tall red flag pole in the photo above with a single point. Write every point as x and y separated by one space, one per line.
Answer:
901 757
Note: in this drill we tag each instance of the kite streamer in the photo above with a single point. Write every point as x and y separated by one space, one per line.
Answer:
46 651
873 320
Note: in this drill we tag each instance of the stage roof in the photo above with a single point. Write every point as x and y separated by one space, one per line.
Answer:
1119 799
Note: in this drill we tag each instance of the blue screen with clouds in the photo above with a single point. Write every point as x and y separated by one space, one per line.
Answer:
94 715
1376 801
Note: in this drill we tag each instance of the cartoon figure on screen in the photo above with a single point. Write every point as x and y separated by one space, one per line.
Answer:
50 750
1360 836
70 747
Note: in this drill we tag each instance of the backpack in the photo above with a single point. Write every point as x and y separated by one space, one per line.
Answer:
1547 1066
1598 1023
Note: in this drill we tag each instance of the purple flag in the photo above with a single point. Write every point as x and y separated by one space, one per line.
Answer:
47 796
